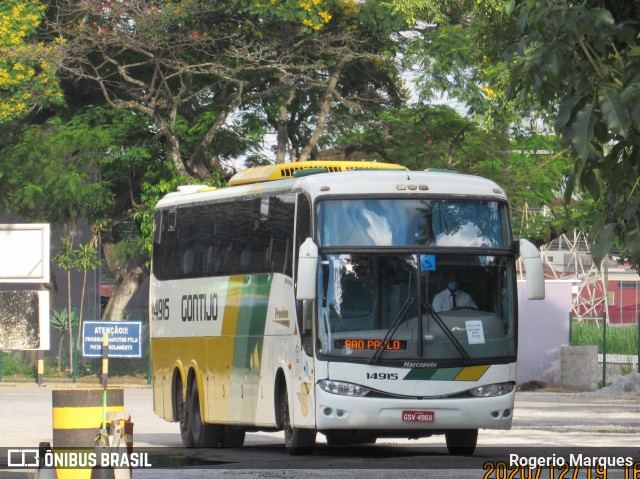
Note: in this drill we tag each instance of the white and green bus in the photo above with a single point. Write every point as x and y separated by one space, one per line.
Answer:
300 298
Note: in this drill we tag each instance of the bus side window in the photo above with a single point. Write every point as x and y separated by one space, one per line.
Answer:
184 238
222 238
261 238
157 227
282 208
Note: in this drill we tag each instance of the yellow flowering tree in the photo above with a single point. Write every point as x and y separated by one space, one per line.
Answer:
27 77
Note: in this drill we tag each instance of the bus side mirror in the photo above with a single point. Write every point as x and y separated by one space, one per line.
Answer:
533 266
307 270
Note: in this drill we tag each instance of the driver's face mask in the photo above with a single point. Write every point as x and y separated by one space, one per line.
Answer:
453 285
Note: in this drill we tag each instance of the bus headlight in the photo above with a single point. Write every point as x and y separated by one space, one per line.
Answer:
491 390
342 388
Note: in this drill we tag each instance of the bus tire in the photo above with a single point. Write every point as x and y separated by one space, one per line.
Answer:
182 413
462 442
204 435
233 437
298 441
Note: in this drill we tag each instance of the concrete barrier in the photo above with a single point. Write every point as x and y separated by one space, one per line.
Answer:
78 414
579 368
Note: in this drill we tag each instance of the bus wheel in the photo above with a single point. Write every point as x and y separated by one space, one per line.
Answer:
204 435
462 442
233 437
182 410
298 441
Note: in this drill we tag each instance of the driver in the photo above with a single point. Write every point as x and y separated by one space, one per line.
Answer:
453 297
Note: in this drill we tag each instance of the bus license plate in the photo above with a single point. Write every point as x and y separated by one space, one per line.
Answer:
418 416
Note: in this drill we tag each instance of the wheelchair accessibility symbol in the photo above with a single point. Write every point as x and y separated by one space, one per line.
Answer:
428 262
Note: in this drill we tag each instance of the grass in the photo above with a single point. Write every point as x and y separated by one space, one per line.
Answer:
14 366
620 339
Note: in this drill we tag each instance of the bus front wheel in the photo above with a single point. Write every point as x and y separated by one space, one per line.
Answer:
462 442
298 441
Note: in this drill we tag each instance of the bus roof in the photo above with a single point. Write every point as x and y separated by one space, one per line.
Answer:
386 182
289 170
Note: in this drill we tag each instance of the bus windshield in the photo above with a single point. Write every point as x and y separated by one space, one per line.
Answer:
380 306
412 222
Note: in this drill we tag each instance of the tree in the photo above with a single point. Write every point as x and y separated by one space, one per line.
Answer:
584 68
85 258
89 166
530 167
60 322
64 260
27 76
202 70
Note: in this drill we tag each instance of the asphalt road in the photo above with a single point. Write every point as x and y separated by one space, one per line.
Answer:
545 425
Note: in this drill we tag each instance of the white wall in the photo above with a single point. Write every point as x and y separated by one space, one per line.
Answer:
543 328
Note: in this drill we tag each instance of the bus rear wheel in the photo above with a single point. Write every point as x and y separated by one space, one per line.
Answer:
298 441
204 435
182 414
462 442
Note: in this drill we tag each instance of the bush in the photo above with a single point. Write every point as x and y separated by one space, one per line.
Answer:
14 365
620 339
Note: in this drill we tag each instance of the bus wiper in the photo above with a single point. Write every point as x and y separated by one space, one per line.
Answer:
392 330
445 330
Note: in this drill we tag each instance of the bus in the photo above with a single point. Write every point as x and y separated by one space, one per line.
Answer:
301 299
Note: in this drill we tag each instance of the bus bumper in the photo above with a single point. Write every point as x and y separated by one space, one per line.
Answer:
441 414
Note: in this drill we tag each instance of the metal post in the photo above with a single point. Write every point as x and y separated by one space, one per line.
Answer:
74 355
638 345
0 366
105 360
570 328
40 375
604 350
620 302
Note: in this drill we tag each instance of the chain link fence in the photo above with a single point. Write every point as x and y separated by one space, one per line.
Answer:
22 366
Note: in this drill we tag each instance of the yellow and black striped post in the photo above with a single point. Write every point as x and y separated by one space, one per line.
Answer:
78 415
105 360
39 378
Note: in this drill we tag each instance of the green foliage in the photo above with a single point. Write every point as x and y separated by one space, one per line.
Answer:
59 320
27 74
54 172
419 136
13 365
585 67
85 257
64 257
620 339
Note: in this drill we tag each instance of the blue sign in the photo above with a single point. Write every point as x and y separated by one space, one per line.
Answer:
428 262
124 338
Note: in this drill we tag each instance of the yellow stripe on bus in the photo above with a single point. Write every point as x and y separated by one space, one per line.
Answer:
222 352
471 373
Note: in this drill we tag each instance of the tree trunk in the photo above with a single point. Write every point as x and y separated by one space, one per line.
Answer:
84 287
324 113
283 135
60 352
124 291
70 321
